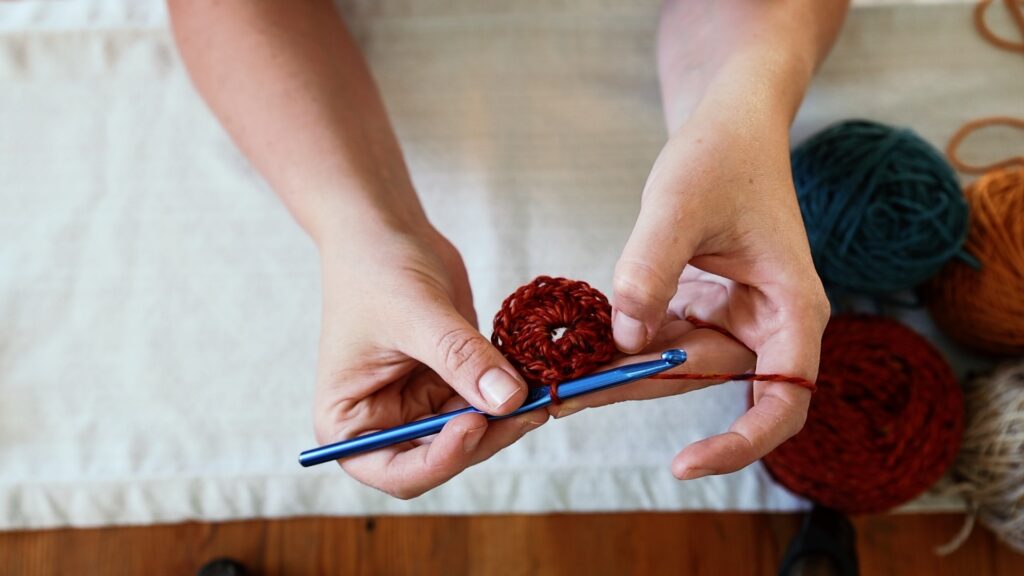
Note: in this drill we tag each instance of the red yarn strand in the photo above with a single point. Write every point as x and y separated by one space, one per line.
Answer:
728 377
741 376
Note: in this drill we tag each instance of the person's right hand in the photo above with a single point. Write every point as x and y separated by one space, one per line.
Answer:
399 343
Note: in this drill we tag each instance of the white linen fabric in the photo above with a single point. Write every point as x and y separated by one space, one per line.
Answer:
159 309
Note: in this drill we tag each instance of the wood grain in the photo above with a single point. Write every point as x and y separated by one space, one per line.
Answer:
620 544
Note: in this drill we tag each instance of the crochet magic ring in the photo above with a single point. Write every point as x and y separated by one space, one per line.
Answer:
554 329
885 424
882 208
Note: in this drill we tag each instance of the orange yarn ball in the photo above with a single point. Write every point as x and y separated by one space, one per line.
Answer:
984 308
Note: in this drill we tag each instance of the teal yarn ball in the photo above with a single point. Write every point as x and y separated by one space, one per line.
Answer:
882 208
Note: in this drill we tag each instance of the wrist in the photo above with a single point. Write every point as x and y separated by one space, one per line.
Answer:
355 223
740 68
772 79
752 89
353 211
730 123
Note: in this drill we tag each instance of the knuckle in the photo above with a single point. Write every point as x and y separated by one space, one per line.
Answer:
792 414
820 306
323 433
328 429
640 284
796 424
381 480
810 303
795 421
404 492
460 348
337 372
337 418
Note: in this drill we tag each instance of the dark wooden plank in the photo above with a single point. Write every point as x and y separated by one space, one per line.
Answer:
620 544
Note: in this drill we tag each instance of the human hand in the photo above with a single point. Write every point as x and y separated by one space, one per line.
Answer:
399 343
720 238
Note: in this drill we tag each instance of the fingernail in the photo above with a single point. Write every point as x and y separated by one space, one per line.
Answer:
564 411
532 423
694 473
498 386
472 439
630 334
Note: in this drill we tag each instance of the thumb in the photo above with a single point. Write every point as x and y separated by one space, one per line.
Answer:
462 357
647 274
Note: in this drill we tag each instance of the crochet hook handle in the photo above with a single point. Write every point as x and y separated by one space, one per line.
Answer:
538 397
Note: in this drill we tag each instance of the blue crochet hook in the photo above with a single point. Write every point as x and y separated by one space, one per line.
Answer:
538 397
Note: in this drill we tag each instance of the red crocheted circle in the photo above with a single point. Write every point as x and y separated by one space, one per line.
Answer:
526 330
885 424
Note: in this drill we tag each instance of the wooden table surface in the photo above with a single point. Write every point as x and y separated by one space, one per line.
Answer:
620 544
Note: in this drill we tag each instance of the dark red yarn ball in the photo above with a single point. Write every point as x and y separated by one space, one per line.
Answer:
526 330
885 424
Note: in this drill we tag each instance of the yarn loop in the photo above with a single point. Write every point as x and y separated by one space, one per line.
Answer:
1016 13
953 148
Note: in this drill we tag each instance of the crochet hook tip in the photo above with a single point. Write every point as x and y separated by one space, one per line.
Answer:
674 356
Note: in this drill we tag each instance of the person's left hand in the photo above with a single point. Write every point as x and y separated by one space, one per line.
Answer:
720 238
